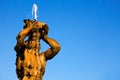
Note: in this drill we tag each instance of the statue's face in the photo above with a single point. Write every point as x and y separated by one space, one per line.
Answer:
34 34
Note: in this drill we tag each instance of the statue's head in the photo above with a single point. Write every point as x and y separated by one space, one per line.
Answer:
41 27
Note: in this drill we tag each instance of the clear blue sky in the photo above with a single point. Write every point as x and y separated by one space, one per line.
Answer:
88 31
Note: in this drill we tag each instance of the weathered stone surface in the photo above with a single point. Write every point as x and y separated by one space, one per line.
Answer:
30 63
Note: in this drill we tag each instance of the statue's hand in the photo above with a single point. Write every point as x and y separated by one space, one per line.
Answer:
45 28
44 31
27 24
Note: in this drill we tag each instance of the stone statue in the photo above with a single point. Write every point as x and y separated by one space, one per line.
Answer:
30 63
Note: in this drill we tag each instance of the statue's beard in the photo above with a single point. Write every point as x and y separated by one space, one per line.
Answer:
33 45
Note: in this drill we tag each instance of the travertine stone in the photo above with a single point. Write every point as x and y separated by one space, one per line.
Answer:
30 63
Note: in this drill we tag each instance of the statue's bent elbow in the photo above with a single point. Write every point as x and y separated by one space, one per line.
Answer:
56 48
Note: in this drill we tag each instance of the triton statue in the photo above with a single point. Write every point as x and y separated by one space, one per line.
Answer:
30 63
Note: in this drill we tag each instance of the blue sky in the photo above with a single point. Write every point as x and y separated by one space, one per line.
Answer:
88 31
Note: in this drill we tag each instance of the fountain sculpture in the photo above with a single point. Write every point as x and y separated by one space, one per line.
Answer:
30 63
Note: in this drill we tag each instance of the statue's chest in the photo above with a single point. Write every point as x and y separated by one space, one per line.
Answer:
34 61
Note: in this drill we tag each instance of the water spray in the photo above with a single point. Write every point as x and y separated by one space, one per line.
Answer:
34 12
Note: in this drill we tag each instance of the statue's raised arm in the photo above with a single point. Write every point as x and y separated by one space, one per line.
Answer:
23 34
54 46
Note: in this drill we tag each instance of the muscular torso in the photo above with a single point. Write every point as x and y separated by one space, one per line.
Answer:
30 63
